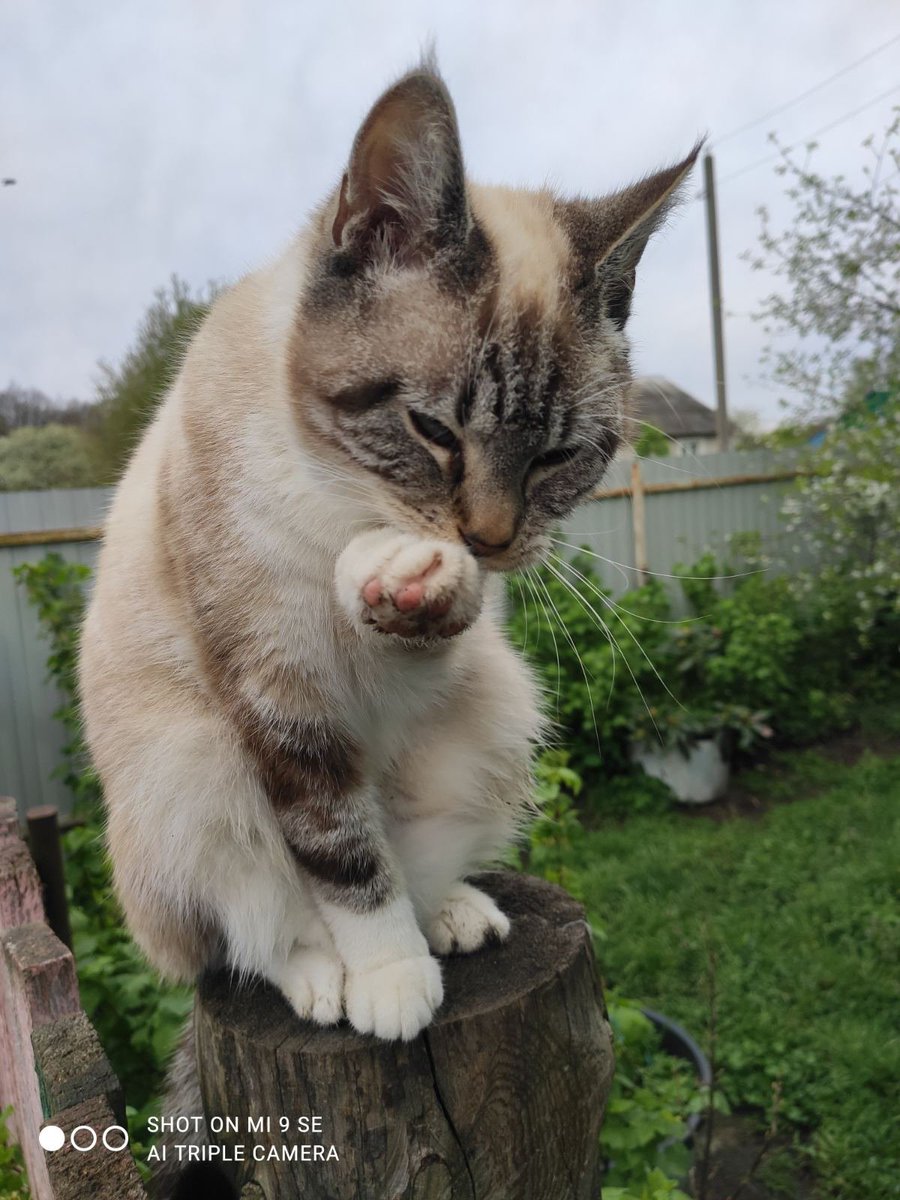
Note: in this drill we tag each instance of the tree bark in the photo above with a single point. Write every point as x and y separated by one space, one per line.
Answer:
501 1098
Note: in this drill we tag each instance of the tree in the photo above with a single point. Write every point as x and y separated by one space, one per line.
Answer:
21 407
843 514
839 263
130 393
46 456
651 442
748 430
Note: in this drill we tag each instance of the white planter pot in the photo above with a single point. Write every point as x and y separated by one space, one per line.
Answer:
696 778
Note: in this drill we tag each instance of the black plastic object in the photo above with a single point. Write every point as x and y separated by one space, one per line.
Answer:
676 1041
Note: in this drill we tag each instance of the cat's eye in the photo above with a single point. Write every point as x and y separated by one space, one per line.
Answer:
433 431
366 395
554 458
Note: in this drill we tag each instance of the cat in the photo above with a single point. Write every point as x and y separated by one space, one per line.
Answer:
297 692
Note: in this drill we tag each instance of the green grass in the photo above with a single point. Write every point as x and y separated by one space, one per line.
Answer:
795 915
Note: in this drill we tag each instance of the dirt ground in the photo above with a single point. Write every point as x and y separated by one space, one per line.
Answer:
744 1165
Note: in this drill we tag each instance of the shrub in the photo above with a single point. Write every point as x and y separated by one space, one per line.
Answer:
762 655
651 442
555 832
844 515
52 456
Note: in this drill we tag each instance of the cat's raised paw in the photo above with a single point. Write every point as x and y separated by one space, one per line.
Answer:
408 586
466 920
396 1000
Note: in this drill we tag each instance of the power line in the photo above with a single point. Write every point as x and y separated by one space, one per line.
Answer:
774 112
848 116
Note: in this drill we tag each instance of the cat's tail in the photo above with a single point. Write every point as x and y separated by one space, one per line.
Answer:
175 1176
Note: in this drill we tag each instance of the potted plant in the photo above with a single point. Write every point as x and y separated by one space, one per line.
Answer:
691 749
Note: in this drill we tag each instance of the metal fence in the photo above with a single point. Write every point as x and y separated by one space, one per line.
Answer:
653 514
649 516
31 524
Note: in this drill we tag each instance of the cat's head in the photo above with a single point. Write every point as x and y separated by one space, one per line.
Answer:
459 349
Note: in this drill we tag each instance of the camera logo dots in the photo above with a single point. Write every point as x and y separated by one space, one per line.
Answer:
52 1137
84 1137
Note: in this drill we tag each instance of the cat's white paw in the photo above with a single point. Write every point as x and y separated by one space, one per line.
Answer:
396 1000
466 920
411 587
312 981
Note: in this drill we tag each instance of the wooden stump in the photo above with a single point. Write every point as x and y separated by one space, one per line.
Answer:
501 1098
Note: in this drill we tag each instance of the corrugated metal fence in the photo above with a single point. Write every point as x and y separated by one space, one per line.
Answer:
689 505
653 514
30 739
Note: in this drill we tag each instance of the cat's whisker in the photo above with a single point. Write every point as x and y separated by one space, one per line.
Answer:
625 579
571 640
657 574
604 599
559 558
552 633
524 607
601 624
604 629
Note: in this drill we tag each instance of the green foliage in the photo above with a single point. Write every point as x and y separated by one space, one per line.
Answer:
755 660
13 1181
555 833
130 393
628 792
653 1095
656 1186
52 456
844 515
799 909
137 1016
652 443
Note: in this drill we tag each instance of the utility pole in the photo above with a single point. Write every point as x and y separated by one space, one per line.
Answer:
715 293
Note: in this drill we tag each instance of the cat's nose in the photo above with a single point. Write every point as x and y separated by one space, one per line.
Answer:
484 545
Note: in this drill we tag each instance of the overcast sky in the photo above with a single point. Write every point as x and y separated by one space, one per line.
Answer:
192 136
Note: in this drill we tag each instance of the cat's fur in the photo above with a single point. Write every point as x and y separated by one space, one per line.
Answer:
308 724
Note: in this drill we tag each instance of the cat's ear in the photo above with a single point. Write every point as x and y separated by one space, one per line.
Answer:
611 234
403 194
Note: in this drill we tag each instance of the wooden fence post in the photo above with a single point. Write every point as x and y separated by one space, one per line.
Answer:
20 907
501 1098
51 1062
46 850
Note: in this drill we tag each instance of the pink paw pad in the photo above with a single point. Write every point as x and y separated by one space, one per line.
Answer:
371 593
410 594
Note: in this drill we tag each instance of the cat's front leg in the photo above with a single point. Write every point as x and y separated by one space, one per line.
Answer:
393 984
332 823
410 587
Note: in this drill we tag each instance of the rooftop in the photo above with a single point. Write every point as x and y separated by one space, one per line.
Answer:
659 402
